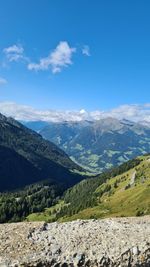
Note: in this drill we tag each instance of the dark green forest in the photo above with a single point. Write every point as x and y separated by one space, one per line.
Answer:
15 206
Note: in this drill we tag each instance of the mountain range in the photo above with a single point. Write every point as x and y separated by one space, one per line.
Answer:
39 181
97 145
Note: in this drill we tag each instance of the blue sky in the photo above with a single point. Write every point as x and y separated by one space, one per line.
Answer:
75 54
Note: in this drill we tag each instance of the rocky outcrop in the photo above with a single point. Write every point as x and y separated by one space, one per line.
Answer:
110 242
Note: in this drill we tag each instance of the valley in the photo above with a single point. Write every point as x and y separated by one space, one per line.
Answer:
98 145
40 182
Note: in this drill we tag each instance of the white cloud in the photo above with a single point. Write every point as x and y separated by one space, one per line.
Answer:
137 113
86 50
14 53
14 49
58 59
2 81
132 112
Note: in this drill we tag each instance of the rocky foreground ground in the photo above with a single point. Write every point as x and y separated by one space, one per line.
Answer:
108 242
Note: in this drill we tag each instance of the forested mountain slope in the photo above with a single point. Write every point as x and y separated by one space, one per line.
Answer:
25 157
122 191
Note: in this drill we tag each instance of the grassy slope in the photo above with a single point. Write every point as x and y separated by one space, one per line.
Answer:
47 215
121 199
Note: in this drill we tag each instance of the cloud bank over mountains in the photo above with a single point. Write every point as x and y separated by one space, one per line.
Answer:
135 112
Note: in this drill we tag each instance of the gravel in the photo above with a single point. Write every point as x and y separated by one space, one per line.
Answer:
109 242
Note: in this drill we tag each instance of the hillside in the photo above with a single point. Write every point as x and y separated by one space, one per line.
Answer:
124 191
30 144
126 194
98 145
15 170
26 158
34 173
